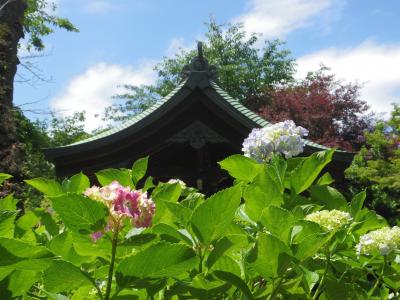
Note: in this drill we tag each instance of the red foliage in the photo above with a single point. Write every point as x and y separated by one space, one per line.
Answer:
331 111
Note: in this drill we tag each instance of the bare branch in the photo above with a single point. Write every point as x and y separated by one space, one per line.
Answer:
35 72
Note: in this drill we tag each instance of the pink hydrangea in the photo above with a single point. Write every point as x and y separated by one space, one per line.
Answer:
123 203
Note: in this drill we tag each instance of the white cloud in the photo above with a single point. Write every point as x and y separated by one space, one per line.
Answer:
98 7
370 64
177 44
92 91
277 18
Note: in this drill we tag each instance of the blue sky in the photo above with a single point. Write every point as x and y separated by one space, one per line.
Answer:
121 40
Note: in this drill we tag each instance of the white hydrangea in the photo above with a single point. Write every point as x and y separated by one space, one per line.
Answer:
382 241
330 219
181 183
284 138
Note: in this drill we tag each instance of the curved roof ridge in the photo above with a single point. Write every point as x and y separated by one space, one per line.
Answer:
132 120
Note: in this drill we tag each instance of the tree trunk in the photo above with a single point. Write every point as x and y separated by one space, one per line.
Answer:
11 31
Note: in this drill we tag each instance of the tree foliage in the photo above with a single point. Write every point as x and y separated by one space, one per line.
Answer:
331 110
40 20
244 69
377 167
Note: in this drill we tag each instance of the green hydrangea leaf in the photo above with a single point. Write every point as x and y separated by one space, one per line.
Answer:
157 261
139 169
80 213
241 167
49 187
210 219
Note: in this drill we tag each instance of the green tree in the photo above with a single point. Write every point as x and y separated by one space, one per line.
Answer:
66 130
32 20
377 167
40 20
244 69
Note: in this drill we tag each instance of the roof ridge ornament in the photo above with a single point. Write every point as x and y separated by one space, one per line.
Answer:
199 64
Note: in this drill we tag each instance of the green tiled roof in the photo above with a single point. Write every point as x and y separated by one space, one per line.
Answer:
133 119
233 102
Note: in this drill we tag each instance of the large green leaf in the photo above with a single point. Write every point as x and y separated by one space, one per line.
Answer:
328 196
80 213
20 255
325 179
139 169
167 192
164 215
63 276
310 246
307 239
107 176
357 204
241 167
49 187
63 245
368 220
21 282
210 220
270 257
276 170
278 221
8 203
261 193
181 213
27 221
4 177
219 249
7 223
85 247
227 264
47 220
76 184
159 260
203 288
235 281
303 176
170 234
309 279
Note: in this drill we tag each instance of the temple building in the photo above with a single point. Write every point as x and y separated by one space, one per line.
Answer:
185 134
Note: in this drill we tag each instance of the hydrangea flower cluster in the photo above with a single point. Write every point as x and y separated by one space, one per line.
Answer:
123 203
281 138
382 241
330 219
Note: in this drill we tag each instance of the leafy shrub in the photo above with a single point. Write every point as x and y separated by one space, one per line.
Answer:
376 168
265 237
280 232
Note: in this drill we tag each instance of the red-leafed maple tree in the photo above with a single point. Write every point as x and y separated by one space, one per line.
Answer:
331 110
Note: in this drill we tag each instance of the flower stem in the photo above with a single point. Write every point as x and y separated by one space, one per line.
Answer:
321 283
114 244
276 287
201 260
371 292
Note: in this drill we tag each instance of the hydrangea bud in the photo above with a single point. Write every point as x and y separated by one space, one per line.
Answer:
181 183
281 138
330 219
381 241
